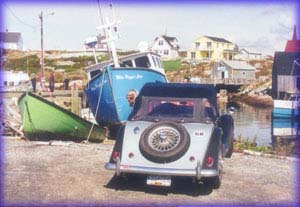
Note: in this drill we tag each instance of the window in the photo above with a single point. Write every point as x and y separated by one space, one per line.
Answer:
217 44
160 42
193 55
168 108
197 44
142 62
166 52
244 74
298 83
159 62
127 63
154 61
94 73
5 83
209 45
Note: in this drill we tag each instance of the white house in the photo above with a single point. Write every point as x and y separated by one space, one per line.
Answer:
246 55
233 69
165 46
11 40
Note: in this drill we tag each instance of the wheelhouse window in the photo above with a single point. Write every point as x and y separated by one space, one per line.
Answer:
159 62
154 61
94 73
142 62
166 108
127 63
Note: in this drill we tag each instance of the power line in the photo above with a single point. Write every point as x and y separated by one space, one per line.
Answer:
20 20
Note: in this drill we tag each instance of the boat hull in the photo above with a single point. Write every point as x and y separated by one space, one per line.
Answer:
286 109
285 127
44 120
110 90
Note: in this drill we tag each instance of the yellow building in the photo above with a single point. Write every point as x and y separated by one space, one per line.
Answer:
208 48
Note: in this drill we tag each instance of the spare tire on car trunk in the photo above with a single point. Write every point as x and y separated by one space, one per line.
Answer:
164 142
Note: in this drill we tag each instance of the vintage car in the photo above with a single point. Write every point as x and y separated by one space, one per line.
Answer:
174 130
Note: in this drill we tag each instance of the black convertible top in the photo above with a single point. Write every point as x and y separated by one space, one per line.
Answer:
180 90
176 90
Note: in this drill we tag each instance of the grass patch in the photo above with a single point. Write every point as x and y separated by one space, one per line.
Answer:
283 147
172 65
241 144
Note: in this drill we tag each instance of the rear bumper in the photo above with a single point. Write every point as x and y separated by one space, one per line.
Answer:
197 172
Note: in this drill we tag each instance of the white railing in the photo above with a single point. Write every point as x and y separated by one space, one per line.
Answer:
226 81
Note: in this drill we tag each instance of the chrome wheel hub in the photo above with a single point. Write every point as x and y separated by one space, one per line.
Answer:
164 138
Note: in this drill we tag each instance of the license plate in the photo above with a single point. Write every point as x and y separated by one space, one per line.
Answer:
159 180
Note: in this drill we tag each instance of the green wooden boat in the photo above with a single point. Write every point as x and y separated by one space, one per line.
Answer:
44 120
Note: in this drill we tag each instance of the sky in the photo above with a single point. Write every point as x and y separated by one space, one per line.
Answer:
258 26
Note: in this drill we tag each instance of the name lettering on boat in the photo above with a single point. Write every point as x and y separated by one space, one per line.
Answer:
99 85
129 77
199 134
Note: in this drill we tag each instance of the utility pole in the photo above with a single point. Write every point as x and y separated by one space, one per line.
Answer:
41 16
42 52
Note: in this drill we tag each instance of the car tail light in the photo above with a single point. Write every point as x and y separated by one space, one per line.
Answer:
116 155
192 158
209 161
130 155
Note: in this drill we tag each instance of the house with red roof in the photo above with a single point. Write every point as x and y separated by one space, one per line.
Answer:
294 44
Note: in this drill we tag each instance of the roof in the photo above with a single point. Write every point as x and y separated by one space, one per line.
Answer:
10 37
217 39
169 40
121 59
239 65
294 44
250 53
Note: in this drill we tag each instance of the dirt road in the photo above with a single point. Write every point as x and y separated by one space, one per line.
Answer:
74 174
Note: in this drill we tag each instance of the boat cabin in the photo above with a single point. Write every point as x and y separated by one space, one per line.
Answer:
147 60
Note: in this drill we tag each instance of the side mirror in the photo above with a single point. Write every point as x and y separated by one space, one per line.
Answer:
231 110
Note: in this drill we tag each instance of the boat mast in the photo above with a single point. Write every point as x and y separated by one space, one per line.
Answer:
110 38
102 23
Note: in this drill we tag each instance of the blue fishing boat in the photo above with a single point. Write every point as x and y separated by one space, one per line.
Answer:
113 85
111 90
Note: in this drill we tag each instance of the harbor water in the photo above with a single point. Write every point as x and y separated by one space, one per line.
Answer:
257 123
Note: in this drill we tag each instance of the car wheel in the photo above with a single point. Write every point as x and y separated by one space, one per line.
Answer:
230 150
164 142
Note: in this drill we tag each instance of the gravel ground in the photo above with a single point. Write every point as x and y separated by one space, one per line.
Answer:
70 173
